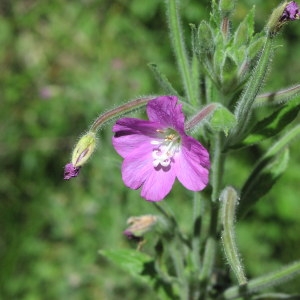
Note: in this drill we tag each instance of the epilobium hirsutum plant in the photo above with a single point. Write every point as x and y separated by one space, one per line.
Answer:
231 67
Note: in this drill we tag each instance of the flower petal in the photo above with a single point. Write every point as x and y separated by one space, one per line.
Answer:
138 170
192 165
130 133
158 184
167 112
70 171
137 166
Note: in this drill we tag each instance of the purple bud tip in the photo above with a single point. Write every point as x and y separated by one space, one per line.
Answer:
128 234
291 12
70 171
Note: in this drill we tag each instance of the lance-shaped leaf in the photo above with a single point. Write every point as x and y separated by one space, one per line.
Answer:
267 171
261 180
244 32
163 80
273 124
256 46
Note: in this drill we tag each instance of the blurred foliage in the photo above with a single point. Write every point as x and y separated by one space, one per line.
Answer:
64 62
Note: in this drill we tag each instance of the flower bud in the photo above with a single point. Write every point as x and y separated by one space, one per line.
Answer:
70 171
139 225
84 149
206 36
226 7
288 11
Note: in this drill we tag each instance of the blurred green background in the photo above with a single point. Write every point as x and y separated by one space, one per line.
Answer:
64 62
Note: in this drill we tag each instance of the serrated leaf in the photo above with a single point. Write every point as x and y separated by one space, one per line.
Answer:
222 120
273 124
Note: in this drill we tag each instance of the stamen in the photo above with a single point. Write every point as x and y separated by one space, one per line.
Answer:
166 148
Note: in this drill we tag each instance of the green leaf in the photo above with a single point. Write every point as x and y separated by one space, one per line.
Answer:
222 120
262 179
163 80
267 171
229 74
273 124
142 267
244 32
256 46
205 38
128 260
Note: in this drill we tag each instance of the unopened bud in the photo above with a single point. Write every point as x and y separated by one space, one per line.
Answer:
84 149
70 171
288 11
226 7
138 226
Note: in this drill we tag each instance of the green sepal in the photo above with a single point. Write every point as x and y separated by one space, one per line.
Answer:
142 267
222 120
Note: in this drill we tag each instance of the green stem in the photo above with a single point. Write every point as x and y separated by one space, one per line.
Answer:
179 49
229 200
196 232
218 161
212 212
178 262
272 279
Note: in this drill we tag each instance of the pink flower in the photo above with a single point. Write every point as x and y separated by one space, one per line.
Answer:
157 151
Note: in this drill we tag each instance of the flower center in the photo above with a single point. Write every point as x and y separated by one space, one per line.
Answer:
166 147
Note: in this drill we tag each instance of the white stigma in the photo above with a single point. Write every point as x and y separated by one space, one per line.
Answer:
165 149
